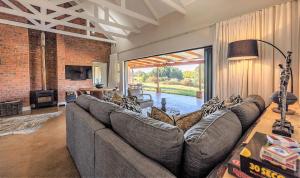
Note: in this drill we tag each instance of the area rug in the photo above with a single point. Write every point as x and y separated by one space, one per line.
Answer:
24 124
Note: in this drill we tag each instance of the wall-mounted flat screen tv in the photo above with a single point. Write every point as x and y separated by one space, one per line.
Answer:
78 72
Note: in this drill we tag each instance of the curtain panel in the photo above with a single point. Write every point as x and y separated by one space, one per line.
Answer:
113 75
277 24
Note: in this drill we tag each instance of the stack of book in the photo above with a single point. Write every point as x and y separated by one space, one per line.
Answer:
266 156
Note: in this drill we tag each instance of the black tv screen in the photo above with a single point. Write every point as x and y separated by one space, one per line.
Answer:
78 72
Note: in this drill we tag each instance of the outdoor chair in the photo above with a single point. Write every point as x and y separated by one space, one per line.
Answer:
144 100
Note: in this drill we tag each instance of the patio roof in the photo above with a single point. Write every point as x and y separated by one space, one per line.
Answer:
180 58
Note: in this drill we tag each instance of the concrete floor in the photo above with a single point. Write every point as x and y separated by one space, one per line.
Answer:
185 104
44 152
40 154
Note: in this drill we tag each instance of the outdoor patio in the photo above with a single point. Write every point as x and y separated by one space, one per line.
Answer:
185 104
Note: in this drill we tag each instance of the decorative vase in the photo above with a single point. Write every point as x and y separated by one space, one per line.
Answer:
163 104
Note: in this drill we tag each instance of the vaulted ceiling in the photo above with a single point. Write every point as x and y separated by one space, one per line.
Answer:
90 18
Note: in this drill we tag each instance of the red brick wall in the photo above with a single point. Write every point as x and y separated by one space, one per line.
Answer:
51 60
77 51
35 58
20 61
14 64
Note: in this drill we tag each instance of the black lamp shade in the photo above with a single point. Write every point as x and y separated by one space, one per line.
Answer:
244 49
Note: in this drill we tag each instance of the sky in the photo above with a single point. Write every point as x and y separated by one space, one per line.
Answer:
183 68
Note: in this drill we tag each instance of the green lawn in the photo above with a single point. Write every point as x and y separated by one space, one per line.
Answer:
172 89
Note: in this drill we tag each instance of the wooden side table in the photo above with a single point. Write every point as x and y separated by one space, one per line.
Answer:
265 122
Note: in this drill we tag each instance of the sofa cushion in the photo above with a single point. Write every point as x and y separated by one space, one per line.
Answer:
209 141
101 110
247 112
84 101
161 116
258 101
159 141
186 121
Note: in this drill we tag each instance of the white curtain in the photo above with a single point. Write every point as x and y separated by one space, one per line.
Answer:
114 74
256 76
297 27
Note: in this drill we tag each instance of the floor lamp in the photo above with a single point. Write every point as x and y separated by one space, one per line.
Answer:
248 49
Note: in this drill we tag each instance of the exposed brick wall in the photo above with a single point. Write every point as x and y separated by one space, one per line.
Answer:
14 64
51 61
20 60
77 51
35 58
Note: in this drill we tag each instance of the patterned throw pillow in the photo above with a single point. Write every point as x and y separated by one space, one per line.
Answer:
126 103
233 100
131 104
185 122
161 116
117 98
212 106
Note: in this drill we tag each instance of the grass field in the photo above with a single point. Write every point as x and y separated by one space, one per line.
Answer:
172 89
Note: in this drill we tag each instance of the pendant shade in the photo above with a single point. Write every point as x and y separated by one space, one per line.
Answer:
244 49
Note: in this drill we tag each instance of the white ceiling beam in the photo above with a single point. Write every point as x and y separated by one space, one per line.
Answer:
58 2
50 6
13 6
175 6
151 8
43 14
29 7
57 22
98 26
125 11
57 14
106 13
18 24
109 16
123 4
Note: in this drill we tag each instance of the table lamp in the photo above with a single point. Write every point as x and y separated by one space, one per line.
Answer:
248 49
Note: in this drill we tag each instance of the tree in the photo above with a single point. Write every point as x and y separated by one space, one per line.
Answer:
189 74
167 72
197 75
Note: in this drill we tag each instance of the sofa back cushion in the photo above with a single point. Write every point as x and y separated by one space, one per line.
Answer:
258 101
101 110
247 112
159 141
209 141
84 101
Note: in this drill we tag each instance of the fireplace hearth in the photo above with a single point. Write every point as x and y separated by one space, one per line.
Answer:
42 98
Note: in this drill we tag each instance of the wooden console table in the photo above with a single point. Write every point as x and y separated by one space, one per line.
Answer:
97 92
265 122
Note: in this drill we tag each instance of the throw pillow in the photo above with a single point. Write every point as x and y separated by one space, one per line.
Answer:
117 98
233 100
185 122
160 115
131 104
212 106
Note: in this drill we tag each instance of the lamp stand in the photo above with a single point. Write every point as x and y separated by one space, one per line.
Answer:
282 126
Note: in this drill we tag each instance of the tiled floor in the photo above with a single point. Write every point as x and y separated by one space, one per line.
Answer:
185 104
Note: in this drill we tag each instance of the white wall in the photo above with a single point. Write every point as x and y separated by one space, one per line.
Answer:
179 32
195 39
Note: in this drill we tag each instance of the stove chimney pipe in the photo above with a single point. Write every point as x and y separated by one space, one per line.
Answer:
44 77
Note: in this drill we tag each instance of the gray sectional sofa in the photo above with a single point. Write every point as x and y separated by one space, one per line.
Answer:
105 140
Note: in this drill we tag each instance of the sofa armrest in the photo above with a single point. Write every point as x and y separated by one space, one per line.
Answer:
115 158
81 128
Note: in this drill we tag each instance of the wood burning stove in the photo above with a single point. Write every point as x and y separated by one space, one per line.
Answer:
43 98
